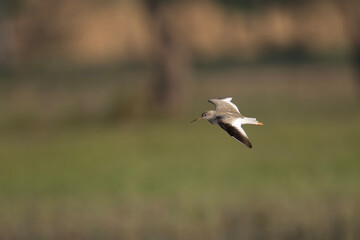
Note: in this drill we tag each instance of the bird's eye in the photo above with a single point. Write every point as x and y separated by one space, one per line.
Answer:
204 114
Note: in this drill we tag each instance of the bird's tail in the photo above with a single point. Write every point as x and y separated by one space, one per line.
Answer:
252 121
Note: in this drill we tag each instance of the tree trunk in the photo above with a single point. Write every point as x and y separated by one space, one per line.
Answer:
171 63
5 42
351 10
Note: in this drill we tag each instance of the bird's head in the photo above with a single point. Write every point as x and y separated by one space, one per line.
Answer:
206 115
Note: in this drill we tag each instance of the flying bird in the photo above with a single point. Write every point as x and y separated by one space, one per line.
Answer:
229 118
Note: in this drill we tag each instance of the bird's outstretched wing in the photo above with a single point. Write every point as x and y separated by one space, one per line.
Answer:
224 106
233 127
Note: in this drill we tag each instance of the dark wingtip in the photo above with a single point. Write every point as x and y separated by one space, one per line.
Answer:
235 133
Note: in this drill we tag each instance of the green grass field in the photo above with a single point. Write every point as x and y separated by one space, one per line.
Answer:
169 179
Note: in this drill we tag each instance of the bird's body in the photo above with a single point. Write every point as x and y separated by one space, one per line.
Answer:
229 118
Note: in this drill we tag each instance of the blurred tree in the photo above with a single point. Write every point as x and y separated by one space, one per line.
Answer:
172 65
171 60
7 9
351 10
42 31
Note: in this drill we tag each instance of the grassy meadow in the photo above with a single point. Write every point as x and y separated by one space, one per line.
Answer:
153 178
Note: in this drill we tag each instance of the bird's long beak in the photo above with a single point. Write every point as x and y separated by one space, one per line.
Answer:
260 123
197 119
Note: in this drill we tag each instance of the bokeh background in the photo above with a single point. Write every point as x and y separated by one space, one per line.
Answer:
96 100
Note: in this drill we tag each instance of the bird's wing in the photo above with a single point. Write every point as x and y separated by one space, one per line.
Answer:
233 127
224 105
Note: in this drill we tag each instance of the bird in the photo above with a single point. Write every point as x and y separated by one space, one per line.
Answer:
229 118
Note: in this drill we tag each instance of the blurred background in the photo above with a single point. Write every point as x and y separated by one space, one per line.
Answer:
96 100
